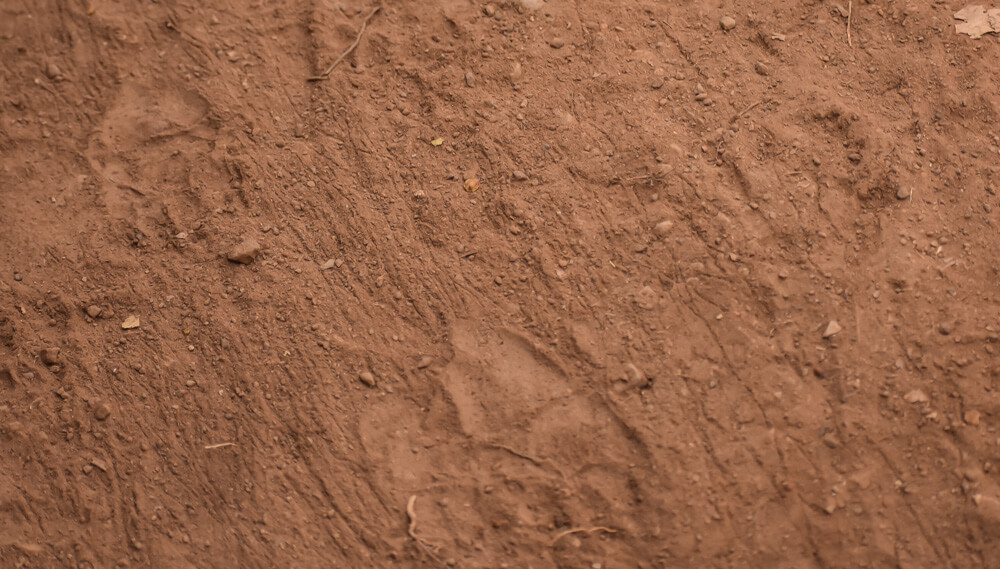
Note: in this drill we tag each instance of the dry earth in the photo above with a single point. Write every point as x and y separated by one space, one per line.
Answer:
723 297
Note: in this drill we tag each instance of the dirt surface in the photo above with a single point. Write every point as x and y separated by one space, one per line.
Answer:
721 297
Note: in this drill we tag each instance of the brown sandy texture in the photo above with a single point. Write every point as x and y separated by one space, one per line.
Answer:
577 283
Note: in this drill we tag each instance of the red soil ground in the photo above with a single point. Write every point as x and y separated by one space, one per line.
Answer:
617 352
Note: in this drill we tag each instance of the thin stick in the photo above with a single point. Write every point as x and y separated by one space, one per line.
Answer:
581 530
748 109
850 13
357 40
219 445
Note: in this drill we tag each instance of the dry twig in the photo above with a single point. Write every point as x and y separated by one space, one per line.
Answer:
219 445
348 51
748 109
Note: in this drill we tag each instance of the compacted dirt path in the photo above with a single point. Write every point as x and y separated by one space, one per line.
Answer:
577 283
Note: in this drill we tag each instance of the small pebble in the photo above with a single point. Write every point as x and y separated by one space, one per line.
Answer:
470 79
516 72
662 228
556 43
830 506
635 377
490 10
130 323
245 253
902 194
727 22
972 417
52 71
367 378
424 362
519 176
17 277
93 311
832 329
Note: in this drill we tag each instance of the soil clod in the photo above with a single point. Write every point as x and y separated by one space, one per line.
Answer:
101 411
51 356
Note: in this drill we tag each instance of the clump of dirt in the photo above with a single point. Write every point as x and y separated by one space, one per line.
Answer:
549 284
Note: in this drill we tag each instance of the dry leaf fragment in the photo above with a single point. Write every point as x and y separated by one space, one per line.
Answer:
437 142
131 322
977 21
